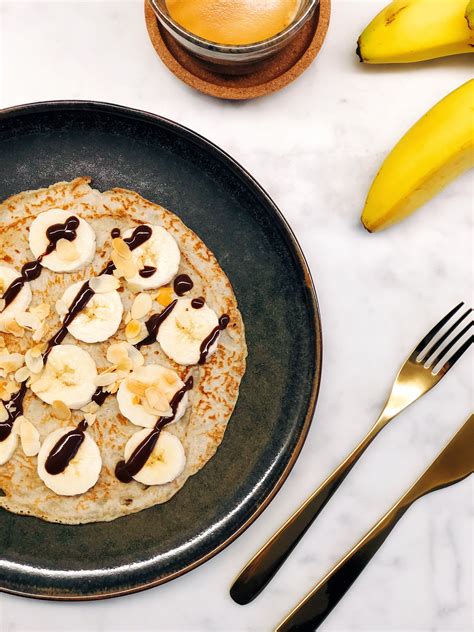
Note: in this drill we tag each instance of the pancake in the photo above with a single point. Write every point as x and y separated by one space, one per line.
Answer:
216 383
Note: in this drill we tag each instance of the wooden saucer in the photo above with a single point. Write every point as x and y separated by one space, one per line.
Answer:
270 75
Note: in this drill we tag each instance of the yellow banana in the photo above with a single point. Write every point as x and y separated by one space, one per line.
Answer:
416 30
470 15
438 148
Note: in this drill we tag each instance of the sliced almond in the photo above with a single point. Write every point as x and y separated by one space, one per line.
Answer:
137 388
128 318
42 310
34 362
157 400
133 329
125 365
3 412
61 307
28 320
121 248
90 418
141 306
164 296
104 283
66 250
3 344
135 356
22 374
12 327
11 362
105 379
60 410
90 408
39 349
40 332
29 438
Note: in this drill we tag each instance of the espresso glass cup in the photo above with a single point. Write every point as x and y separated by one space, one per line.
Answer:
238 59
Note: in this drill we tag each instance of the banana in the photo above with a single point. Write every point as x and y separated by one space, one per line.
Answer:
166 462
101 317
469 15
69 376
20 303
439 147
159 253
185 329
416 30
146 394
68 256
81 473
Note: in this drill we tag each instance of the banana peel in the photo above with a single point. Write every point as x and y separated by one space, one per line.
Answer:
437 149
417 30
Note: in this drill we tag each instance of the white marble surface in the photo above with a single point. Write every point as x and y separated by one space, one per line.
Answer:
315 147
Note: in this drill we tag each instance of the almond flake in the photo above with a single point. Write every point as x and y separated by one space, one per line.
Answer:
42 310
90 418
104 283
22 374
157 400
29 438
34 362
90 408
137 388
40 332
2 342
132 330
60 410
164 296
61 307
66 250
12 327
3 412
121 248
11 362
128 318
135 356
141 306
28 320
105 379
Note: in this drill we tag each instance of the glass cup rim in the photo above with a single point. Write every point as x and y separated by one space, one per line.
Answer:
236 48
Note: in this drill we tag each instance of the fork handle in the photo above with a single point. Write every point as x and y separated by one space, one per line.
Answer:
266 563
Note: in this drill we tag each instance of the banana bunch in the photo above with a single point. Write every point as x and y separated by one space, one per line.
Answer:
437 149
417 30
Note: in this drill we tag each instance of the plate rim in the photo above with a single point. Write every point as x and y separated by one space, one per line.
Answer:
246 177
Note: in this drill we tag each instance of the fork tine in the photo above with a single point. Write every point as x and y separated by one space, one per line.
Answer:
431 334
451 344
439 342
455 357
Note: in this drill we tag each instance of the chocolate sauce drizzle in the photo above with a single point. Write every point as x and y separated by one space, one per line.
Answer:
32 269
14 408
65 449
125 471
147 272
207 343
154 323
182 284
115 232
197 303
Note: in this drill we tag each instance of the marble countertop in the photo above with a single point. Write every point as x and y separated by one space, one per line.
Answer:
315 147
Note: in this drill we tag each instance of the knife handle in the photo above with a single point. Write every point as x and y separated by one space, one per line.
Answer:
316 606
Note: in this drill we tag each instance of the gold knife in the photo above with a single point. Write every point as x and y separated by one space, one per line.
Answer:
454 463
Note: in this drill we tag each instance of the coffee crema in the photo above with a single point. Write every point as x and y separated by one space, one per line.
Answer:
234 22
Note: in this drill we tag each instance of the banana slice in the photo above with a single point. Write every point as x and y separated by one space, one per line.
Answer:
185 329
99 320
81 473
69 376
139 399
166 462
80 252
160 252
20 303
8 447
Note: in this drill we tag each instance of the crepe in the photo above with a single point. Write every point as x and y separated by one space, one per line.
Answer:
216 383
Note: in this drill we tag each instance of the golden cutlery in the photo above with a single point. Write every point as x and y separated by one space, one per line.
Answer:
415 378
455 463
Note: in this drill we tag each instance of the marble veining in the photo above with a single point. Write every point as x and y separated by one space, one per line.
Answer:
315 148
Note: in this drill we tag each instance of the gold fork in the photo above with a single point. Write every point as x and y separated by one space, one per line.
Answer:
452 465
416 377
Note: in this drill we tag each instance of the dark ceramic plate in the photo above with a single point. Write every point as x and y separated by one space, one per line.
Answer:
47 142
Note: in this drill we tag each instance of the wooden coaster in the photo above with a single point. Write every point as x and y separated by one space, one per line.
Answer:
269 76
